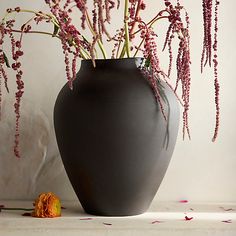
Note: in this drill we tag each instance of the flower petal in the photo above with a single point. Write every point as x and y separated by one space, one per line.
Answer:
188 218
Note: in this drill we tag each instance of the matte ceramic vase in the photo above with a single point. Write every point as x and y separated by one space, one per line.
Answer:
113 139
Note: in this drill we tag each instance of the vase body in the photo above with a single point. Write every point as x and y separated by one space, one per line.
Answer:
112 137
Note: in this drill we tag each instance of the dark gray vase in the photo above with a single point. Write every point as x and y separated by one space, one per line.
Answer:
112 137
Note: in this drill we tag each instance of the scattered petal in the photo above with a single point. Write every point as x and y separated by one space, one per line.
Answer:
107 223
157 222
227 221
183 201
188 218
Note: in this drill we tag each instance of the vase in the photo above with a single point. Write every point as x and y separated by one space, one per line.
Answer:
112 136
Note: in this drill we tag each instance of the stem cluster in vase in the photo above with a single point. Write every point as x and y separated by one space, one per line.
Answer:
96 21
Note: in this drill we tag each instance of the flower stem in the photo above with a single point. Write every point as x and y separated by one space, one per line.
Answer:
136 16
139 46
126 12
94 34
82 51
53 19
118 49
16 209
150 23
35 32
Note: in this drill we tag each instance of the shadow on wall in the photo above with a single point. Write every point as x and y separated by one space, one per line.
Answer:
39 169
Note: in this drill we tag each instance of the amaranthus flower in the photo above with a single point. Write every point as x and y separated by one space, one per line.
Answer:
75 45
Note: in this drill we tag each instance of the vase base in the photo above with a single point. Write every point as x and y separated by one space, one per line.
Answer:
114 214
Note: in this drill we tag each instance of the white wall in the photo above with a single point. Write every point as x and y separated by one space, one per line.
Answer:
199 171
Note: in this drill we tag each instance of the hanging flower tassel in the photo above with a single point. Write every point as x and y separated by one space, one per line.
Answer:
207 51
183 57
207 41
216 81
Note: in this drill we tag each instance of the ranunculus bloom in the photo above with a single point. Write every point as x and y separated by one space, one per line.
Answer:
47 205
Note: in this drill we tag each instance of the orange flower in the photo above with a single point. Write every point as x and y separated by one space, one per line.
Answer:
47 205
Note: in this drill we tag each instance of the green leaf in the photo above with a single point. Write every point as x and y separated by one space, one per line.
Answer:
6 60
147 62
55 31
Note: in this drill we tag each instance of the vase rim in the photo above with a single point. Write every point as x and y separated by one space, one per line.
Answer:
132 62
113 59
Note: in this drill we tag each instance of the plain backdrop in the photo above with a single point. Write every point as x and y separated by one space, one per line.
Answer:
199 170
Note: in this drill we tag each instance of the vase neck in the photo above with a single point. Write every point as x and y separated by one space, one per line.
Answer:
124 63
